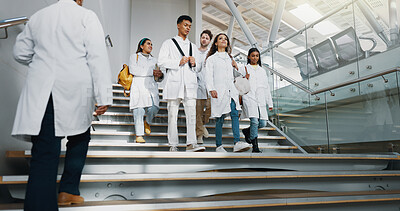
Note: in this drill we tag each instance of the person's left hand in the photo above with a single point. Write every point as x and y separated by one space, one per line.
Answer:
234 64
192 61
101 110
247 76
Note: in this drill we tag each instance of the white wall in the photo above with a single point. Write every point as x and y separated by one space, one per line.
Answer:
115 17
156 20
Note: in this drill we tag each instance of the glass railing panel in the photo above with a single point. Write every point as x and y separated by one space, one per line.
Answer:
372 38
285 60
328 39
306 126
334 121
367 119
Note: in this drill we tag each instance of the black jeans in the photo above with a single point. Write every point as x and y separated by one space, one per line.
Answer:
41 191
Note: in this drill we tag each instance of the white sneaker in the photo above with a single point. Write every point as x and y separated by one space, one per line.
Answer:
205 132
200 139
195 148
220 149
173 149
241 146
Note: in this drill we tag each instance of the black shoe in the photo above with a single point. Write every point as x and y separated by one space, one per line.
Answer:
246 133
254 142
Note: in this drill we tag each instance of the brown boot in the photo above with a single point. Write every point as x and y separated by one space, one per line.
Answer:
68 199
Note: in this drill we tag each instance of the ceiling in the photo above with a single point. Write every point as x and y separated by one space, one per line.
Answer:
258 15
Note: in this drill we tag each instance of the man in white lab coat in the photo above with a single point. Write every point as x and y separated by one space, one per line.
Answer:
69 72
181 84
203 100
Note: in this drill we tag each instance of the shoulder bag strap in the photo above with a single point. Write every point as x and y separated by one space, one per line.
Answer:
179 47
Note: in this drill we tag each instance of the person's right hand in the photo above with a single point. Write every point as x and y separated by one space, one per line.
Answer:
184 60
101 110
214 94
157 73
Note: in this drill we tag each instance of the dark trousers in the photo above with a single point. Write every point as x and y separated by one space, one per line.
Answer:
41 191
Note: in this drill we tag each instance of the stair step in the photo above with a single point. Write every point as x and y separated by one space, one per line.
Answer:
125 144
22 179
354 200
212 155
225 126
180 116
120 133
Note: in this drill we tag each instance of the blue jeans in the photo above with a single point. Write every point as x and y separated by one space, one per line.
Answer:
235 125
138 114
255 124
41 190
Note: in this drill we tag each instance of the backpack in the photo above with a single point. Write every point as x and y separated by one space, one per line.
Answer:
125 79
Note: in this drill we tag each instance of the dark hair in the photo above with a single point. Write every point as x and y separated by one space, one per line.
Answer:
208 32
182 18
251 50
141 42
214 48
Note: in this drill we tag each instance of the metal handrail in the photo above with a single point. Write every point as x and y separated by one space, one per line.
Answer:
297 84
12 22
4 24
329 88
356 80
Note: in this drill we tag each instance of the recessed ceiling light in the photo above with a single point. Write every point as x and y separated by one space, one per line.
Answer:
297 50
306 13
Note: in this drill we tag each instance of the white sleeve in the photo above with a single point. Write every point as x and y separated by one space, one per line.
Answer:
209 68
197 56
23 48
242 69
268 94
134 67
165 60
97 59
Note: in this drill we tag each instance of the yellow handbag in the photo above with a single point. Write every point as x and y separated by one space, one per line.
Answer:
125 79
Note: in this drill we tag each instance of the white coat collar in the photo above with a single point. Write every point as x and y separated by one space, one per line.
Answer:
204 52
251 66
68 1
180 39
141 55
222 55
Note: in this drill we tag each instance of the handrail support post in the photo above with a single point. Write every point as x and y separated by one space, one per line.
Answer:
6 36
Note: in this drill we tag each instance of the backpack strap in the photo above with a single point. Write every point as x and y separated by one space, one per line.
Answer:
190 50
179 47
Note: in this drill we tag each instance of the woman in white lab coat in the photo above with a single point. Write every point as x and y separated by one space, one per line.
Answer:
258 100
144 89
224 95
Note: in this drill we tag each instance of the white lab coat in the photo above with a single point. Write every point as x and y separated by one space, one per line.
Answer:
144 88
259 99
63 45
219 77
201 76
180 81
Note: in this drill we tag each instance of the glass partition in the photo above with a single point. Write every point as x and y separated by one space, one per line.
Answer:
345 59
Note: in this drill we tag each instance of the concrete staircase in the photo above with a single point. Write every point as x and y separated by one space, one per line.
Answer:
122 175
